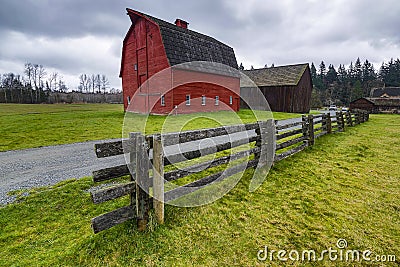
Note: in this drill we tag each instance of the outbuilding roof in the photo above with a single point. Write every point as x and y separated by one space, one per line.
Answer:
386 92
277 76
377 101
184 45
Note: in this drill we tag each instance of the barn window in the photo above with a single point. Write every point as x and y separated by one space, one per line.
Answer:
163 100
230 100
135 67
203 100
129 100
217 100
187 100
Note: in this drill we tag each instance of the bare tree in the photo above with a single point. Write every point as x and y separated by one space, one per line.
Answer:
93 82
52 80
84 82
29 75
105 84
98 83
41 73
3 86
62 87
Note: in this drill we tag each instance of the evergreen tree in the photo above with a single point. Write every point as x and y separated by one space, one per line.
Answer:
322 70
357 91
358 70
313 71
331 75
342 74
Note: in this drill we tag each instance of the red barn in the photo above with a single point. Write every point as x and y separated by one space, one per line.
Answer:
153 46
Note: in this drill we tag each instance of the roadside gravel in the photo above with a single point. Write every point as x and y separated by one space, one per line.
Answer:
25 169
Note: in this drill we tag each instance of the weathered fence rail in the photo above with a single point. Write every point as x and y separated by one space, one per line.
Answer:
147 170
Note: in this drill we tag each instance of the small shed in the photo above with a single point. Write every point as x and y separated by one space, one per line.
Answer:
286 88
153 45
377 104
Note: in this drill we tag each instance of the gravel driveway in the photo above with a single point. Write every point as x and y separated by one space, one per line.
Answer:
25 169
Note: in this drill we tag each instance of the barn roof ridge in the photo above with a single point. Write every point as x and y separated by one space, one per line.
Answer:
287 75
185 45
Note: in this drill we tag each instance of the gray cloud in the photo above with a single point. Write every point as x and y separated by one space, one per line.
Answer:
86 36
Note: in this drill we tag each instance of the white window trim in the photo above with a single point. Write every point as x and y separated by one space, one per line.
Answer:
163 100
217 100
203 100
231 100
187 100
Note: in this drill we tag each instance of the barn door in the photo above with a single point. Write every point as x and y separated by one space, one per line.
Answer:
141 53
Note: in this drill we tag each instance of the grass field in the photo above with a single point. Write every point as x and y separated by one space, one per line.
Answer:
345 187
29 126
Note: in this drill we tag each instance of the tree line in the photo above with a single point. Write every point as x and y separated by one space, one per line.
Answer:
35 85
343 85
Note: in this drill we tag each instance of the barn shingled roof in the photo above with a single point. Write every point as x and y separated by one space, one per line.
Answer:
277 76
184 45
389 91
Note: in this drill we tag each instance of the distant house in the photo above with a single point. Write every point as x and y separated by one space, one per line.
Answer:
387 92
153 45
377 104
286 88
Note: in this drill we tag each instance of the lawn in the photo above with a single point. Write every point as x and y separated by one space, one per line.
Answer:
345 187
29 126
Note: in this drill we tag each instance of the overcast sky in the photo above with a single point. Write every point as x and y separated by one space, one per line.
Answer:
78 36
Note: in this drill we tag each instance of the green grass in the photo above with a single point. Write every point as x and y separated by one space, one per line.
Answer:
29 126
346 186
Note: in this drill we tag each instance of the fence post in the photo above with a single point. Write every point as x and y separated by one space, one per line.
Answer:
304 126
342 118
351 119
311 130
340 121
323 121
328 123
358 117
270 140
142 183
158 179
362 116
348 118
261 132
132 162
266 138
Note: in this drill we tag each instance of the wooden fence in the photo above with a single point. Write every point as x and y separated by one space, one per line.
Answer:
149 168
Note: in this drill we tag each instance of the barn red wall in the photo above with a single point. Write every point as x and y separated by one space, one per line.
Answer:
195 84
143 46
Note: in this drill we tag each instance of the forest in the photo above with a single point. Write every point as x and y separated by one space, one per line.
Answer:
330 85
342 85
36 85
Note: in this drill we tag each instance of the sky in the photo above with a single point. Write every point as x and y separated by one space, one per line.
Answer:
72 37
